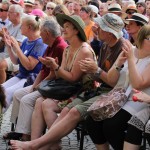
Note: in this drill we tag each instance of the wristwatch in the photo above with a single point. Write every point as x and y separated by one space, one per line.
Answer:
57 68
118 68
98 73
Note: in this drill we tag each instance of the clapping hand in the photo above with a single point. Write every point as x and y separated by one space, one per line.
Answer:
88 65
6 37
121 59
15 44
128 50
49 61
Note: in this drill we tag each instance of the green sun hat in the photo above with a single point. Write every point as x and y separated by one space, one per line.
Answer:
75 20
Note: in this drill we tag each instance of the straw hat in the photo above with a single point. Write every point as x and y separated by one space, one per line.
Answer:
137 17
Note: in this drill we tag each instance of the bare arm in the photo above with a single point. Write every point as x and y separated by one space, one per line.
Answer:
141 96
137 80
28 62
76 72
114 74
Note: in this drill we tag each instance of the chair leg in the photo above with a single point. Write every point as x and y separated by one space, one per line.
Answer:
78 135
82 140
12 127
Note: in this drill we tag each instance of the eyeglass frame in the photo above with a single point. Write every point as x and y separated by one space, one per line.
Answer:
2 10
147 38
49 8
130 13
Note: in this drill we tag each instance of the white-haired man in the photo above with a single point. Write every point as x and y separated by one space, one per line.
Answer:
15 13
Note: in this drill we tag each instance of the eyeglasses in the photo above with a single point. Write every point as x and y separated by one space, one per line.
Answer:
130 12
1 10
147 38
138 6
49 8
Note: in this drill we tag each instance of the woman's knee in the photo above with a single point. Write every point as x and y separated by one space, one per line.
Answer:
74 113
3 65
38 103
65 110
49 104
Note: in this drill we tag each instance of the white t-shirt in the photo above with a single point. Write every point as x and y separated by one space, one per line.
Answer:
16 33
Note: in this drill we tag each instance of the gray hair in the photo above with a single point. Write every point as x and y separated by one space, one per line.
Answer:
17 9
51 26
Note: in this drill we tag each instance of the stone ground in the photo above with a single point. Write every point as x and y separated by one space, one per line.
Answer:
68 143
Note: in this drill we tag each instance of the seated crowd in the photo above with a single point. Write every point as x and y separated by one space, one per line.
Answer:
103 45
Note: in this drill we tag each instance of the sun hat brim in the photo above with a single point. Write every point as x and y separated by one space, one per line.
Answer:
106 28
61 19
127 21
27 3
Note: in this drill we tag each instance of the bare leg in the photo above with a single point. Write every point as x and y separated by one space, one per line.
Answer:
3 68
38 123
50 110
56 132
130 146
63 113
102 146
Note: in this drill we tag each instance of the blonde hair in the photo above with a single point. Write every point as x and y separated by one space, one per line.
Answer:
57 2
32 21
52 4
143 33
81 2
61 9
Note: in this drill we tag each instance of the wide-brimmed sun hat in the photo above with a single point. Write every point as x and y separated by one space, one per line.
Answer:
20 2
114 8
137 17
131 7
75 20
111 23
94 8
29 2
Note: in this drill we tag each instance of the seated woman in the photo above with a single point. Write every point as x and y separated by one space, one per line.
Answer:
138 124
24 98
26 55
136 70
69 70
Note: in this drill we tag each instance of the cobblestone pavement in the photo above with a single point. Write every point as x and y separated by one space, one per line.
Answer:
68 143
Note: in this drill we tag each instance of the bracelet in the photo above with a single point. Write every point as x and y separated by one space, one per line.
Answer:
98 73
118 68
57 68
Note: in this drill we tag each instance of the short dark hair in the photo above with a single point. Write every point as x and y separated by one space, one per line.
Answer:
139 23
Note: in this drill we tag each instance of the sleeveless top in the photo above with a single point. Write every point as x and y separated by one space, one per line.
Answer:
130 105
87 80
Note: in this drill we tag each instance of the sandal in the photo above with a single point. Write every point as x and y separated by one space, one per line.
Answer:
12 136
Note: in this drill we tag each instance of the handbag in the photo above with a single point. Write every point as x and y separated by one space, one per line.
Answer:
106 106
59 89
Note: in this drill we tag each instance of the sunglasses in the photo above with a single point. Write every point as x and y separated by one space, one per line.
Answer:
1 10
130 12
148 38
48 8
